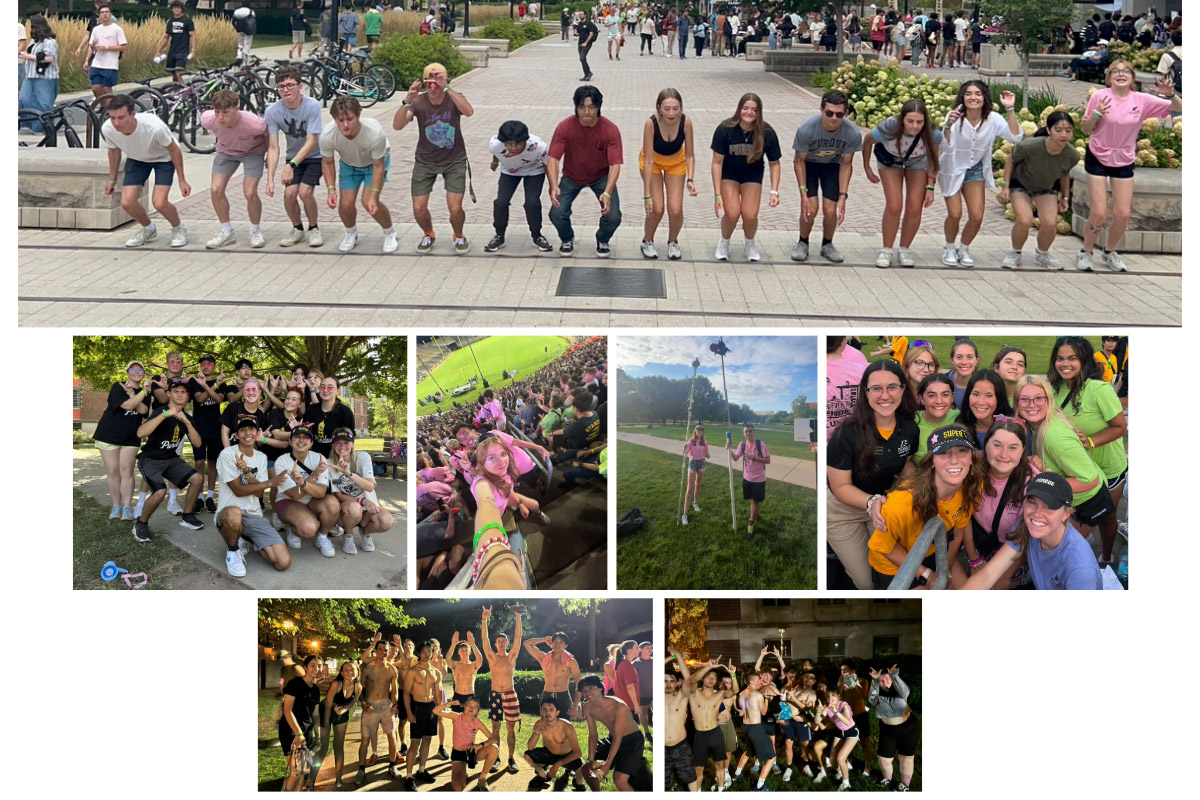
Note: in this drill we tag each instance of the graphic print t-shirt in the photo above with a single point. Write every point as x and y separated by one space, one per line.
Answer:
439 141
163 441
180 32
297 124
826 147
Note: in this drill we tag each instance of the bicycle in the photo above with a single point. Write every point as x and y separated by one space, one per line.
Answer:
57 122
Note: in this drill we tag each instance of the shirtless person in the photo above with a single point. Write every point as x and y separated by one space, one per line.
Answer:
404 660
679 752
753 703
705 702
438 662
621 750
464 664
420 697
558 668
503 703
379 696
561 751
728 685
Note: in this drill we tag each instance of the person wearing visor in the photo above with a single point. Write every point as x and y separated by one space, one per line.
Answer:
240 521
352 480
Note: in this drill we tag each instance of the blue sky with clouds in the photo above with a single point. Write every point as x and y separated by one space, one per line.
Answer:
764 372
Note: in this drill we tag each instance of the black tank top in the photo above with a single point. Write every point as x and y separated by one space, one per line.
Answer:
661 146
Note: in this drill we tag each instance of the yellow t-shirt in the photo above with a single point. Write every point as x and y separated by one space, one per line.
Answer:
904 526
899 348
1109 364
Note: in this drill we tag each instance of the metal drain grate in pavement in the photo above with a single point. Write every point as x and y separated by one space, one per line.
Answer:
607 282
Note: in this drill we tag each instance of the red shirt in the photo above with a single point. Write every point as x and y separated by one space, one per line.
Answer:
627 675
590 151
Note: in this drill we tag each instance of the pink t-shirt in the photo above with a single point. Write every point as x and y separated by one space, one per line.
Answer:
464 731
520 457
842 708
985 509
1114 139
491 411
248 136
442 474
502 501
753 471
842 376
428 494
696 452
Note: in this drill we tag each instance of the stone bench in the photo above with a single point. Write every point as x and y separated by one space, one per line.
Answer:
497 48
63 187
993 61
804 60
475 54
1156 219
755 50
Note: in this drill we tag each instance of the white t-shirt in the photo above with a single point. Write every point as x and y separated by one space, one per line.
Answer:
148 142
108 35
22 36
960 29
227 472
530 161
362 150
285 463
362 467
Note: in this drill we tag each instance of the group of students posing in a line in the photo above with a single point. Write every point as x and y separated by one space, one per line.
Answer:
819 721
400 683
290 439
1020 467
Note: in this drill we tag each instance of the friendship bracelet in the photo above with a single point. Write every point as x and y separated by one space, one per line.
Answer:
500 540
606 194
1090 442
976 563
497 525
804 187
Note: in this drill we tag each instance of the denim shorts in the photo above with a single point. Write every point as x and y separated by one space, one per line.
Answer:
137 173
974 173
350 177
697 464
102 77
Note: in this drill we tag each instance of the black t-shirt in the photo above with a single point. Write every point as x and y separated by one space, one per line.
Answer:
163 441
180 32
583 432
1107 29
735 144
585 31
206 413
277 421
324 424
890 454
304 705
154 403
298 23
932 26
229 418
118 426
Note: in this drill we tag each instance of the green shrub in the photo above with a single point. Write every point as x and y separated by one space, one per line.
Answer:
822 80
80 437
532 31
408 55
501 29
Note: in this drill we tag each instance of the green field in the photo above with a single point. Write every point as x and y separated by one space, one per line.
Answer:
707 554
778 439
524 354
1037 349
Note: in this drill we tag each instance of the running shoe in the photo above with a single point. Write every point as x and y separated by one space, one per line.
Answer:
749 530
1083 261
512 764
276 522
293 237
257 240
127 514
844 786
964 256
325 546
695 507
141 531
348 545
293 541
830 253
497 766
494 244
393 769
566 249
410 785
368 546
537 783
752 253
210 505
542 243
800 251
441 753
949 255
315 239
1047 260
190 520
603 249
1115 262
349 242
1012 260
173 508
222 238
116 512
905 257
360 777
235 564
142 237
787 775
648 250
684 520
423 776
179 237
820 776
426 244
901 787
673 251
885 258
391 243
461 245
722 253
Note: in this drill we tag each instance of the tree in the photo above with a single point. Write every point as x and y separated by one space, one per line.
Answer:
1027 24
388 414
579 607
345 625
801 409
687 627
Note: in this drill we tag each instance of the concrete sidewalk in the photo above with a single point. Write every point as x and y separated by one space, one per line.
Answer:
782 468
385 568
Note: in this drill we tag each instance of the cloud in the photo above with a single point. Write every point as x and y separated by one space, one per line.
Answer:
780 351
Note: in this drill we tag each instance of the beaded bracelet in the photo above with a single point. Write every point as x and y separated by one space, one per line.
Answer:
976 563
500 540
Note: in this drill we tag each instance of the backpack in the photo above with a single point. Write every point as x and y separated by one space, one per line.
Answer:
1091 35
1176 71
250 25
426 28
630 523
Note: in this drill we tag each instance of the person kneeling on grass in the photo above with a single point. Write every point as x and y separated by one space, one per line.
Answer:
308 509
466 752
243 473
365 157
561 750
754 472
160 461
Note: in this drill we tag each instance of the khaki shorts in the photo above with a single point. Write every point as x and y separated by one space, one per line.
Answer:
107 446
425 173
847 530
298 37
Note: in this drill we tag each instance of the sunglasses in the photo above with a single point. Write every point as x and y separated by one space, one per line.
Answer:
922 343
835 114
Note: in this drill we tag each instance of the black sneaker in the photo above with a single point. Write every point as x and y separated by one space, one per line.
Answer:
543 244
603 249
210 505
566 249
424 777
410 785
512 764
494 244
442 753
538 783
190 521
141 531
404 748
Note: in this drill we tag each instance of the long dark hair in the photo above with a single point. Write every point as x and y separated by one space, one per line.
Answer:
962 93
39 28
1014 488
1052 120
862 418
966 416
916 106
759 130
1089 369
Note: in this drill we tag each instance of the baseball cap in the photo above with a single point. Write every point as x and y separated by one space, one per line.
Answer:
246 421
173 382
340 434
1103 42
208 357
302 430
131 363
1052 489
947 436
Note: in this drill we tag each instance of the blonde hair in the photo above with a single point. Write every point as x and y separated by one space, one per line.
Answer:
1054 414
1114 65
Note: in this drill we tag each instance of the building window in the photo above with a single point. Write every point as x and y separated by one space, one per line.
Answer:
831 649
831 602
776 603
885 645
883 602
784 645
77 398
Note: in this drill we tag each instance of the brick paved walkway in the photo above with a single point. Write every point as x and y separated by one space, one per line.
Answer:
83 278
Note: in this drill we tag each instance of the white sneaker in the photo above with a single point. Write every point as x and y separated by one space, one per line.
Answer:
885 258
179 237
1115 262
294 541
315 239
174 508
673 251
1012 260
222 238
1047 260
368 545
137 510
336 530
235 564
722 253
257 240
142 237
244 547
1083 261
391 242
964 256
325 546
348 544
684 520
820 777
949 255
648 250
294 236
752 253
276 522
695 508
348 242
905 257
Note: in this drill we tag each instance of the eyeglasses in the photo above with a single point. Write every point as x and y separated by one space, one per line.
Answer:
287 87
587 109
925 365
1026 402
835 114
1121 71
891 388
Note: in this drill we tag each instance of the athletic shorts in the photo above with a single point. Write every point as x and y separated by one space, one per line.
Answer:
256 530
308 173
176 61
561 700
372 38
886 160
708 744
674 164
298 37
1115 483
729 731
1096 510
795 730
901 738
426 723
697 464
252 164
106 446
850 733
464 757
825 736
825 177
371 722
210 445
679 763
137 173
504 706
102 77
157 471
629 755
458 700
1092 166
350 177
545 759
863 722
425 174
754 490
760 741
1015 186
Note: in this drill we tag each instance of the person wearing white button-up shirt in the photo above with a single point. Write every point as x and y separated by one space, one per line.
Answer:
965 171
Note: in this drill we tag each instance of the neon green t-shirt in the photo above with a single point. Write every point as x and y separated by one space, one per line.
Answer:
928 428
1066 456
604 462
374 21
1098 403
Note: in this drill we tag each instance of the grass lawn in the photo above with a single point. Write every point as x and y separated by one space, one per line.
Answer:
1037 349
777 439
707 554
496 354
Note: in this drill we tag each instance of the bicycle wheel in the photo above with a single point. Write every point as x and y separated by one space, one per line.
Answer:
191 133
362 88
154 99
26 117
386 79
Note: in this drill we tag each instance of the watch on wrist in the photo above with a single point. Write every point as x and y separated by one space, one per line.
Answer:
921 581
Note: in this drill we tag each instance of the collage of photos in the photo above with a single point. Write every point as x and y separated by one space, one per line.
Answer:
992 462
793 695
264 463
717 462
388 694
512 436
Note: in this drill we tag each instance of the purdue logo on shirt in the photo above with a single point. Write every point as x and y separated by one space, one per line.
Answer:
904 448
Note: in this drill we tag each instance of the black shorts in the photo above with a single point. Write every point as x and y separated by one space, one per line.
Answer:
425 724
754 490
458 701
176 61
825 736
1015 186
561 700
173 469
1096 510
852 733
706 745
1115 483
680 763
794 730
628 759
882 581
863 723
307 173
286 737
545 759
210 446
1092 166
761 741
826 177
373 38
901 738
137 173
464 756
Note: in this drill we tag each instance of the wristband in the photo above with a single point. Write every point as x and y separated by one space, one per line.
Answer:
929 187
292 164
843 194
331 188
979 562
1097 114
479 533
716 197
1009 109
1091 443
373 189
689 180
773 191
166 412
1002 183
606 195
804 187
